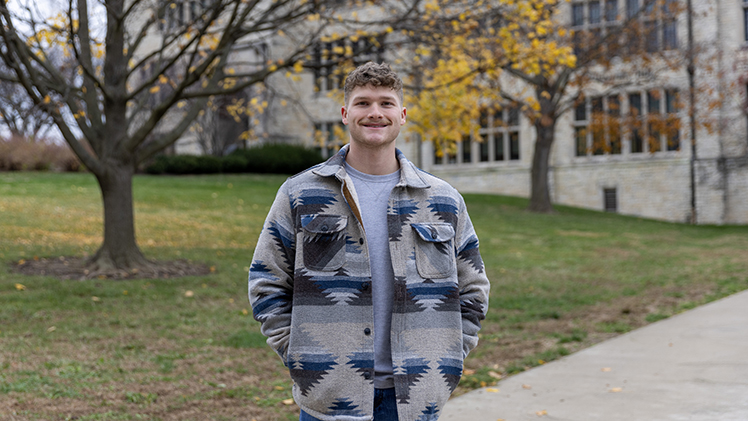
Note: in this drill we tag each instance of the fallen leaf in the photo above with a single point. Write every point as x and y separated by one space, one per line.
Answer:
51 329
616 389
288 402
526 386
541 362
606 369
469 372
279 388
96 299
20 287
483 384
244 311
541 413
21 262
189 294
495 375
492 390
212 269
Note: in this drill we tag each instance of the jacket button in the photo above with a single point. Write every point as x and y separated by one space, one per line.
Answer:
367 375
367 331
324 228
365 286
361 240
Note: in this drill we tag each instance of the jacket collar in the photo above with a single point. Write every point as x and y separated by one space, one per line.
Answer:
409 173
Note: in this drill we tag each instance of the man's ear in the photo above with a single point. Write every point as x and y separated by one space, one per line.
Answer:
344 115
402 115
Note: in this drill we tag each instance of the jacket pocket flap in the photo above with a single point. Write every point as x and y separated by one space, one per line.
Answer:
434 233
323 224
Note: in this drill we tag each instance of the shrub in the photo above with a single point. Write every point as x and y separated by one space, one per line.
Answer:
279 158
208 164
268 159
182 164
18 154
235 164
158 166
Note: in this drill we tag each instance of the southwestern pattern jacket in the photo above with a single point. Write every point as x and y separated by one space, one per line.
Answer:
310 287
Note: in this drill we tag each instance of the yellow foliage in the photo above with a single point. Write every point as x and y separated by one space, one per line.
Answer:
464 62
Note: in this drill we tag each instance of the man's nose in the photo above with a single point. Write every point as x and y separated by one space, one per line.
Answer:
375 111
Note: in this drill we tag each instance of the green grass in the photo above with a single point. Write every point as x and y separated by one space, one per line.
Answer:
143 349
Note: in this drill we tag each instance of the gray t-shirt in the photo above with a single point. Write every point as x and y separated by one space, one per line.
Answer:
374 193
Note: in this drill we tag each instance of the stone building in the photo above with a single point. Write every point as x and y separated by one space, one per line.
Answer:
652 180
635 175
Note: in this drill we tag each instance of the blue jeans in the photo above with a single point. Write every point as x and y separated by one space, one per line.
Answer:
385 406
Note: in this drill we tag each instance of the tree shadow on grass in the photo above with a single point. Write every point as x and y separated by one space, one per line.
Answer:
74 268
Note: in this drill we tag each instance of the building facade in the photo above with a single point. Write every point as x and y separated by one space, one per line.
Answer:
641 169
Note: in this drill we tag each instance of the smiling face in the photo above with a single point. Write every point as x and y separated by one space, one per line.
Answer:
373 116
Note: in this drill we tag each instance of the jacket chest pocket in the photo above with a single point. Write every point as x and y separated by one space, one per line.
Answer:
435 256
324 241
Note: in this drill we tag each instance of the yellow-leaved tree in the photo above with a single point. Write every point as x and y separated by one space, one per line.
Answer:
476 57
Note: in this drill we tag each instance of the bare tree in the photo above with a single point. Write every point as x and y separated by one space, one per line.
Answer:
21 117
143 77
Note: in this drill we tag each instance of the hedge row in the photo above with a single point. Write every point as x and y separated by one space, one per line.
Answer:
267 159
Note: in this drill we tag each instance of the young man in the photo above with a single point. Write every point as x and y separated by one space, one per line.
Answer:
367 277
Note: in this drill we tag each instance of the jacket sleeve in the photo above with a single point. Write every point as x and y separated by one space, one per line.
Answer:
271 274
472 280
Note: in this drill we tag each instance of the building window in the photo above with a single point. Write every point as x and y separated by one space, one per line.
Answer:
176 14
466 150
597 126
329 137
498 140
329 73
672 128
610 200
636 117
745 20
656 122
592 21
443 154
500 131
658 25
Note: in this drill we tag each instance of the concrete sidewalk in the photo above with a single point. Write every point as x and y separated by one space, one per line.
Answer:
692 366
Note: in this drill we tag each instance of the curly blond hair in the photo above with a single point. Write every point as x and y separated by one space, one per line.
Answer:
375 75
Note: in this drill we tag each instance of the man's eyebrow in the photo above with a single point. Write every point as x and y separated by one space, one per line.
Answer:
368 98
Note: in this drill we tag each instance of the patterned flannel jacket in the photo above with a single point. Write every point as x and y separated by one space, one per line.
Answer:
310 288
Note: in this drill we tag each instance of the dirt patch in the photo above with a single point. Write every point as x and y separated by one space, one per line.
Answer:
75 268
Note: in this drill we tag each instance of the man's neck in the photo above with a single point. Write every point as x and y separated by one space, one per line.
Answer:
378 161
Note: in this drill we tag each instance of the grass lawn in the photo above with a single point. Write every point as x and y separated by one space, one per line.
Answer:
188 348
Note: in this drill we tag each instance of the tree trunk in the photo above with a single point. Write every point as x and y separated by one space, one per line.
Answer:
119 251
540 197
